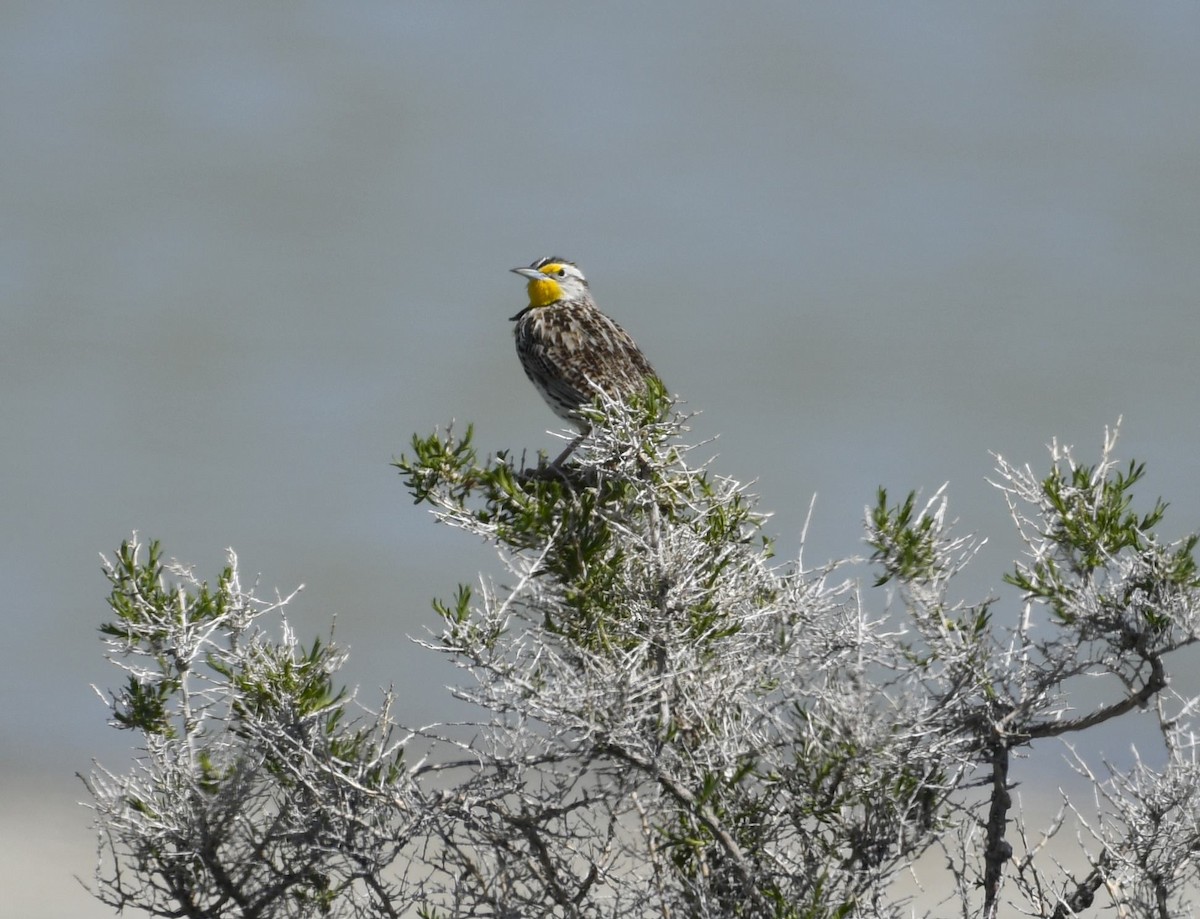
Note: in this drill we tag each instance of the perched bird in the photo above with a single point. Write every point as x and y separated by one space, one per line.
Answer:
571 350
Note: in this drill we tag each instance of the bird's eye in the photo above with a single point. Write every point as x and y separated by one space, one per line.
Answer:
562 272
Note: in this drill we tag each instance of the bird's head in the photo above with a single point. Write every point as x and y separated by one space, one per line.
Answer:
553 279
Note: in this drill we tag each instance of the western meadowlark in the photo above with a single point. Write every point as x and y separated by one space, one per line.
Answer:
570 350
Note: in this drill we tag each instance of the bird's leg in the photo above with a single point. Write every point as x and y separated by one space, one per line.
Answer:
585 430
561 458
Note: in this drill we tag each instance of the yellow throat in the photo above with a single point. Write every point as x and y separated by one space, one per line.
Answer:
544 291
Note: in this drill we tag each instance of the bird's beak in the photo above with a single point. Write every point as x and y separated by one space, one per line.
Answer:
531 273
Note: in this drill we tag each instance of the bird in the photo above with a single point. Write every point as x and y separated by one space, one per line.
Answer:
569 349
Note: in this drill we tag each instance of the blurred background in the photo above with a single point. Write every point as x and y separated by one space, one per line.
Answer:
247 251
